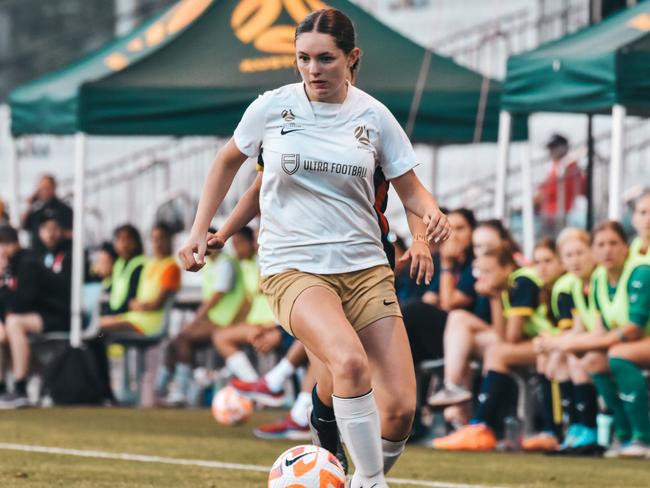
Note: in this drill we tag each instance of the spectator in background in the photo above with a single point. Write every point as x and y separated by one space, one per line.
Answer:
33 306
160 278
44 201
102 265
565 181
57 255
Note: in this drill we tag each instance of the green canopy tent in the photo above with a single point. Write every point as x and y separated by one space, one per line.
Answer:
603 68
193 70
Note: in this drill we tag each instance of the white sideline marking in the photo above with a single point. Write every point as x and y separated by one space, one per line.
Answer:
198 462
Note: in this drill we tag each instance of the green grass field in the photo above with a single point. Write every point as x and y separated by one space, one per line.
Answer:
192 434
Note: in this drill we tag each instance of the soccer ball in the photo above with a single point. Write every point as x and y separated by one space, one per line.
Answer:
230 408
306 467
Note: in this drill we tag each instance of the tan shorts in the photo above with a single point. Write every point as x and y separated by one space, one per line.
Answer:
367 295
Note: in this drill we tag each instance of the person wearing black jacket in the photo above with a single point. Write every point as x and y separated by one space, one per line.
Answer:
33 305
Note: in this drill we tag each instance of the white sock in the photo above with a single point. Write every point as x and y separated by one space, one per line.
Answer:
241 367
183 377
163 376
392 451
300 409
358 422
279 374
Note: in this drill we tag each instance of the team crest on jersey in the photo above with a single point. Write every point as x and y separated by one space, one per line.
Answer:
290 163
288 116
361 133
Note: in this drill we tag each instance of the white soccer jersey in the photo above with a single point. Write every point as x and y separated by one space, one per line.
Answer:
320 197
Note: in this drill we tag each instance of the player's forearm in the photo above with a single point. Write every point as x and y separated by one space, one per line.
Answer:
514 329
414 196
245 211
217 183
416 226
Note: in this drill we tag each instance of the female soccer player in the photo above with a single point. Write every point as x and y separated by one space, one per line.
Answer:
323 266
618 346
641 222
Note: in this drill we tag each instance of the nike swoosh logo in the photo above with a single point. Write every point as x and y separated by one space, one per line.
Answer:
291 462
283 132
388 302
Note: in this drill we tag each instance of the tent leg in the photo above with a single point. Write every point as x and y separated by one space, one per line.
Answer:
505 130
78 240
12 163
528 212
616 164
434 170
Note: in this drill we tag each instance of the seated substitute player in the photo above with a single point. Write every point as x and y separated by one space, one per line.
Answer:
224 303
160 278
32 306
525 311
640 246
125 276
617 348
572 309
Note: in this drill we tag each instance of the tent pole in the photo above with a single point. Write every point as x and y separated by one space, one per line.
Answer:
78 238
616 163
528 212
12 158
434 169
590 172
505 130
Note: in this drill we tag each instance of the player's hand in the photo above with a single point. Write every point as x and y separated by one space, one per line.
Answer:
215 241
438 229
192 254
421 262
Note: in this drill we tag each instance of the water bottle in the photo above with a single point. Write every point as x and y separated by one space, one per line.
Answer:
512 433
604 423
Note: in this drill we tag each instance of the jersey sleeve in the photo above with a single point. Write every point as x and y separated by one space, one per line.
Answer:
224 277
638 292
171 278
566 309
249 133
396 154
524 297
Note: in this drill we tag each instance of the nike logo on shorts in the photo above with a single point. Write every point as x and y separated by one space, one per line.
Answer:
283 131
388 302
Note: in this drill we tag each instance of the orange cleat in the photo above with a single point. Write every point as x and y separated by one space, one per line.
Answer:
476 437
542 442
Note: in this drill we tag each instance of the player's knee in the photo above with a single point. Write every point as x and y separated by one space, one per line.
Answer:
618 351
399 414
351 365
13 325
594 363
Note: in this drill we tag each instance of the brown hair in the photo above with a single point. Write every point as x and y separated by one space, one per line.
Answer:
612 225
503 256
546 243
335 23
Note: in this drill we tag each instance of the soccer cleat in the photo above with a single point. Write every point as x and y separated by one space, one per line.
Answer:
449 395
588 436
572 434
476 437
10 401
615 450
286 428
635 449
259 392
542 442
175 398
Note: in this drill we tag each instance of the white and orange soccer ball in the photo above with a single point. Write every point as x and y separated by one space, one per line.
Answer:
306 467
231 408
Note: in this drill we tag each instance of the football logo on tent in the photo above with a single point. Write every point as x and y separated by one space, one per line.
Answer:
253 22
290 163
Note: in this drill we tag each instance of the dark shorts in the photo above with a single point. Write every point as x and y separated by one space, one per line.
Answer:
55 323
